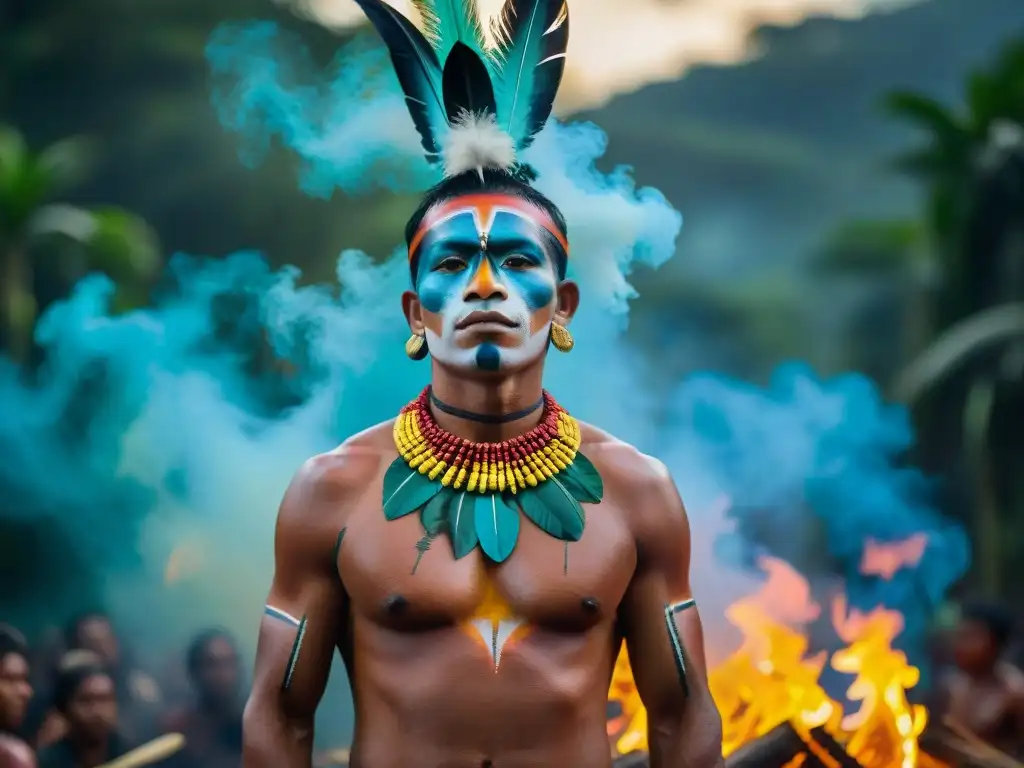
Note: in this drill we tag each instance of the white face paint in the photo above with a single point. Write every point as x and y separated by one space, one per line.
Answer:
487 282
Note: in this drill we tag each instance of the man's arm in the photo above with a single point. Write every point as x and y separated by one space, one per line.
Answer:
303 618
663 631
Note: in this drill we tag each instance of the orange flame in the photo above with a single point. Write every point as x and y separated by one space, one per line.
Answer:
771 679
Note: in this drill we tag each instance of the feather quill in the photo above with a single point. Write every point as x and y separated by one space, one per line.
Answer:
447 22
418 69
532 38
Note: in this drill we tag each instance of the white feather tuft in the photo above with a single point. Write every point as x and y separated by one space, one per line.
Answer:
475 142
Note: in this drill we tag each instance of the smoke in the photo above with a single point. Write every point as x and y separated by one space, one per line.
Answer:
176 428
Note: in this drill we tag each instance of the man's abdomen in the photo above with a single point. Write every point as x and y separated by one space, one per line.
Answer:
441 698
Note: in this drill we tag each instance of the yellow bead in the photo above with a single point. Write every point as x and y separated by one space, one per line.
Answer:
545 472
437 470
449 476
520 480
461 478
510 480
492 479
531 480
416 461
473 477
428 465
500 479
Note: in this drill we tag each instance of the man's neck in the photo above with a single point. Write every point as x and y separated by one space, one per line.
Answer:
476 408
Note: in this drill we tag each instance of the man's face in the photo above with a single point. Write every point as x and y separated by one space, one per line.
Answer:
973 646
92 711
218 676
15 690
487 282
97 635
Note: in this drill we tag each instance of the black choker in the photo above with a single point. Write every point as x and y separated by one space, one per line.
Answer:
484 418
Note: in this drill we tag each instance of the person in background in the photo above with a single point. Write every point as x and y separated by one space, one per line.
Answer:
212 723
86 697
15 694
137 692
984 693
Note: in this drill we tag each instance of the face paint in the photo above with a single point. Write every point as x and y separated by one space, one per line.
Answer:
487 279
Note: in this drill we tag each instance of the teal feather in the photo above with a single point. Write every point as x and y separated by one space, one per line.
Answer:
582 480
532 37
434 515
418 69
447 22
553 509
406 490
461 524
497 526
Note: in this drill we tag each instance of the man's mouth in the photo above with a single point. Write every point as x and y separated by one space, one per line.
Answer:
479 317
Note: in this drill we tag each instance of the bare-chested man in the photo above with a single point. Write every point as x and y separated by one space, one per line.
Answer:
479 560
985 694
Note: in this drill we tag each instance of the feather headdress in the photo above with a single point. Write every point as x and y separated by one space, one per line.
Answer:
476 106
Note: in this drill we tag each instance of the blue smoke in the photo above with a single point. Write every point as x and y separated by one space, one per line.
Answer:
177 427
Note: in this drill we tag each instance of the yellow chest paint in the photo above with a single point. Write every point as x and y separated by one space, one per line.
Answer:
494 622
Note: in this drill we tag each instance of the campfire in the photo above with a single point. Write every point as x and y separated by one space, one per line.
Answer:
774 710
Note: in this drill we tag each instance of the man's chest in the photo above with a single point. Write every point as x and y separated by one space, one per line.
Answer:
398 576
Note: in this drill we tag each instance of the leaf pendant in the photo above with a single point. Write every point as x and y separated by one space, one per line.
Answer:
406 490
582 480
497 526
461 525
553 509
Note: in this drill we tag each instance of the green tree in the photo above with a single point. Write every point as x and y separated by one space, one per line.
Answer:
34 225
972 163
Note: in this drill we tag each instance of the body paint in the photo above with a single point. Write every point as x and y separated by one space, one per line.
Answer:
500 256
678 651
277 613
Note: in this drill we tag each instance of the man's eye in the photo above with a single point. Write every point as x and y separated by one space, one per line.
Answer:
451 264
517 262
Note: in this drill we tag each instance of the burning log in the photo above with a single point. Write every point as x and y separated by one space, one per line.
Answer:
964 750
822 743
776 749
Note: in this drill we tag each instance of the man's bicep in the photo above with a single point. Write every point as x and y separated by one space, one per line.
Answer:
299 631
663 631
304 612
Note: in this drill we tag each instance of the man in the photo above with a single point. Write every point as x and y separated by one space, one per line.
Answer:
212 726
137 692
15 694
479 560
86 698
985 694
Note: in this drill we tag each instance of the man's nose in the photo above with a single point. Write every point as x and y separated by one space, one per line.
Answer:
485 284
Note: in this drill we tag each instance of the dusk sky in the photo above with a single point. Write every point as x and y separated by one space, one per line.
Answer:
618 46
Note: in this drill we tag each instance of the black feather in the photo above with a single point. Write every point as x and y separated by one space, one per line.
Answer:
466 84
418 69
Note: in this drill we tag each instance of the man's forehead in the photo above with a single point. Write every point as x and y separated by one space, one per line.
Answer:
486 212
488 222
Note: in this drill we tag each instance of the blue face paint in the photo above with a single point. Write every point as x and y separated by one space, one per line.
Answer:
488 358
508 265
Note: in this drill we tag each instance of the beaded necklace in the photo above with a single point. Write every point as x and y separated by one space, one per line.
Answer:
477 492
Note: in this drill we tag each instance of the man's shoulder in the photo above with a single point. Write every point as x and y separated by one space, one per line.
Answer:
623 463
351 465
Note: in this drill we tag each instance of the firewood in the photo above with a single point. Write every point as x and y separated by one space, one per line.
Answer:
831 747
777 748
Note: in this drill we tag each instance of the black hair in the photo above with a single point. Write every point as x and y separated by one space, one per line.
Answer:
508 182
12 641
70 678
197 648
993 617
72 631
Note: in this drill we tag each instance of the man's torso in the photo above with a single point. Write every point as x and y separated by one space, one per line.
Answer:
461 662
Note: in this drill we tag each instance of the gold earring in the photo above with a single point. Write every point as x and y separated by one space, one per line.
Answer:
416 347
561 338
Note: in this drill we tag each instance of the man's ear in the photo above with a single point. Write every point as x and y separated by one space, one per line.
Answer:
413 311
568 301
